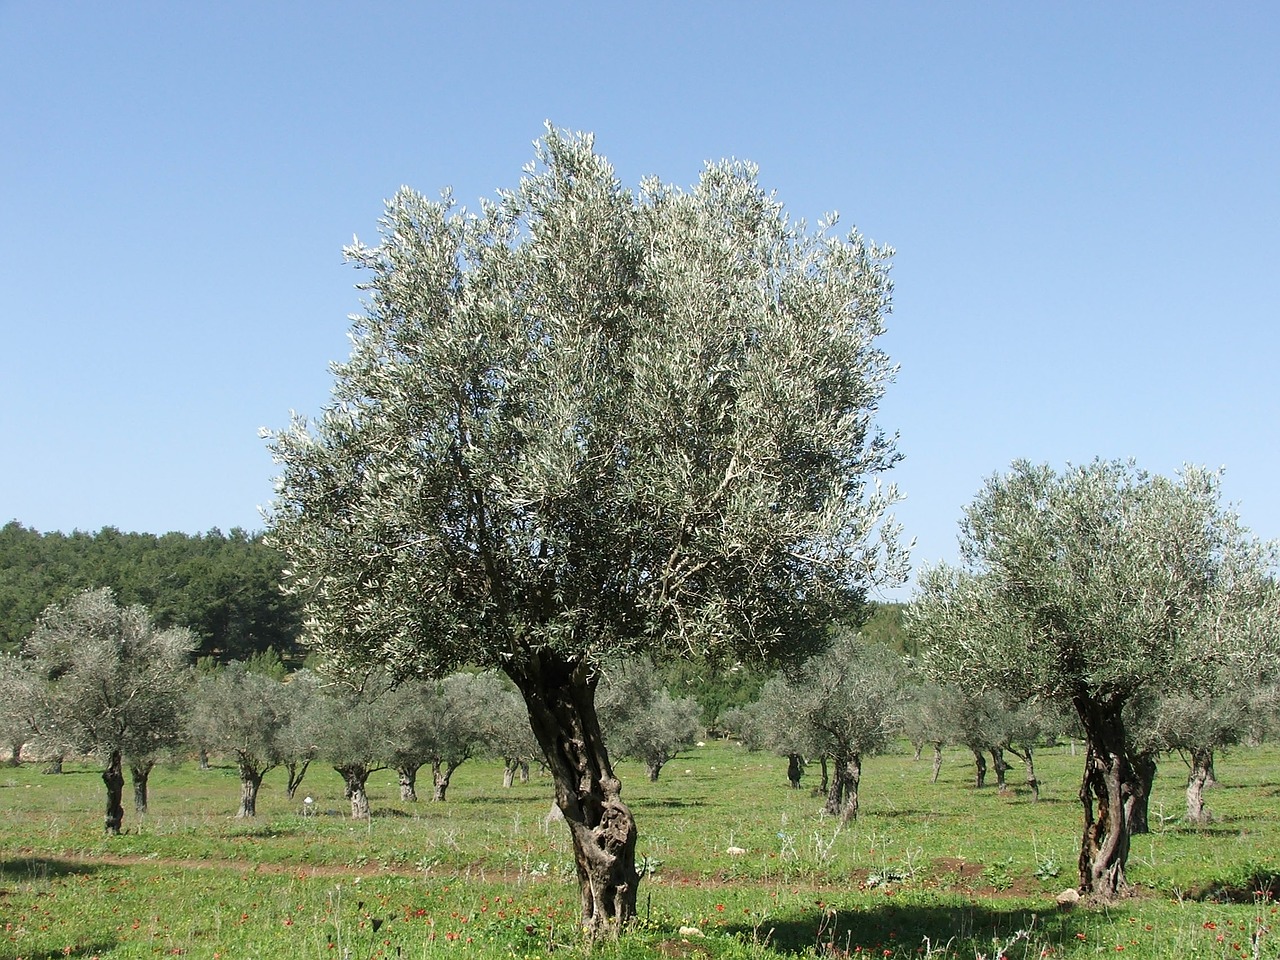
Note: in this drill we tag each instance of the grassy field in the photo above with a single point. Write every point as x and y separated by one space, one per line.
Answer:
928 870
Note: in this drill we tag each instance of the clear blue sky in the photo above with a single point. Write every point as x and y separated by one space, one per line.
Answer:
1085 200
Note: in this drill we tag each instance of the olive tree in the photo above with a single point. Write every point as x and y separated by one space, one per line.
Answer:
441 723
19 704
243 713
507 735
298 741
582 423
112 684
353 729
641 719
847 703
1086 585
1198 725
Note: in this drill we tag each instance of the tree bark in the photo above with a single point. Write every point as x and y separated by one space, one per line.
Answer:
354 778
559 692
250 782
980 767
441 773
508 772
1029 765
1001 768
1142 776
140 773
16 759
1199 777
826 776
652 769
407 774
1104 848
54 766
937 760
297 769
113 778
842 798
853 780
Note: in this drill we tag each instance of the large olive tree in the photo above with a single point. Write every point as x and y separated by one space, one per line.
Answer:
582 423
1086 586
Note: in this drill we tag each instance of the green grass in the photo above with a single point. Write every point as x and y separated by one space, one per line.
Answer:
927 870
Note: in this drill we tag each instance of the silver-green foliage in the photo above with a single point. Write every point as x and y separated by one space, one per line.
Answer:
112 681
594 422
1097 581
848 701
640 719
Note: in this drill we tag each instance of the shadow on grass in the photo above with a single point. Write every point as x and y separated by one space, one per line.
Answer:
857 932
669 803
489 799
42 868
90 950
1258 886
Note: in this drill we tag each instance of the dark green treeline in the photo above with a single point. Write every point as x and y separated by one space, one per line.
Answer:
225 587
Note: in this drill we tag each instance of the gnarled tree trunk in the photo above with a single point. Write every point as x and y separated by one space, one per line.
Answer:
113 778
1001 768
1142 777
1029 765
1199 776
853 780
441 774
979 766
354 778
250 781
407 774
937 760
1104 848
140 774
560 694
297 769
842 799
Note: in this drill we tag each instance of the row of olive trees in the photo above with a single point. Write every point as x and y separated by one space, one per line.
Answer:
98 678
857 697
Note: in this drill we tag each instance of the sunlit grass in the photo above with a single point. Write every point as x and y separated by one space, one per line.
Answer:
927 870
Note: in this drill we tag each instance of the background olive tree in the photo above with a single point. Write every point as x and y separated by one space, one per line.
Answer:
241 713
1086 585
111 684
581 423
847 704
640 718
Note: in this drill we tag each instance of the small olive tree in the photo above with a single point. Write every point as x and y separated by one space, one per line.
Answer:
507 735
243 713
641 719
441 723
353 733
848 702
112 684
1085 585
